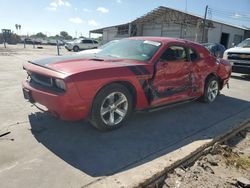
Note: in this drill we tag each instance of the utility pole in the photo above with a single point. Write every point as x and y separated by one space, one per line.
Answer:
186 6
204 25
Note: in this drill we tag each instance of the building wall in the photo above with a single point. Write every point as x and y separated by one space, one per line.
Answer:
111 34
214 34
164 25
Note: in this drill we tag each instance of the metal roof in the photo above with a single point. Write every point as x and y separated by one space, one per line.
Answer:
158 12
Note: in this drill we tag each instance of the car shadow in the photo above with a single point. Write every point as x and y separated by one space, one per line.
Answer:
146 135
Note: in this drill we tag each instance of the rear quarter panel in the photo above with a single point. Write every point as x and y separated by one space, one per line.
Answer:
203 67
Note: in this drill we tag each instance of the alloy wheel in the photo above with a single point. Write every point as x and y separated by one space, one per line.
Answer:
114 108
213 90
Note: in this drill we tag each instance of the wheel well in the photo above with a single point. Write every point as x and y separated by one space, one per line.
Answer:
131 89
126 84
214 75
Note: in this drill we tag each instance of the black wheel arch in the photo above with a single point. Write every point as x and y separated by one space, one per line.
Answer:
216 76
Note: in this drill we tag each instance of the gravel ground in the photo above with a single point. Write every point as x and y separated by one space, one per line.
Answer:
226 166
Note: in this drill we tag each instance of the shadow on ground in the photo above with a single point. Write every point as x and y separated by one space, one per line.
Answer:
146 135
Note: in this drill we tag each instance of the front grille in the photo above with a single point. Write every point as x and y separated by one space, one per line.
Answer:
239 56
43 82
41 79
243 64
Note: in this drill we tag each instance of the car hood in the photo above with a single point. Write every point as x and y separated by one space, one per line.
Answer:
73 64
92 51
238 50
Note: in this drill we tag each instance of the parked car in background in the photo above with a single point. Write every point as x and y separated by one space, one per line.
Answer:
239 57
32 41
54 42
100 48
81 44
216 49
137 73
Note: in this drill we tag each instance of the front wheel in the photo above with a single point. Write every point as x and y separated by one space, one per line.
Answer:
211 90
111 107
76 49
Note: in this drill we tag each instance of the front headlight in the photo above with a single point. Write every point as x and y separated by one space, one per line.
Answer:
60 84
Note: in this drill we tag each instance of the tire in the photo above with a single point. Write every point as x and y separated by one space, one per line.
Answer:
76 49
211 90
104 114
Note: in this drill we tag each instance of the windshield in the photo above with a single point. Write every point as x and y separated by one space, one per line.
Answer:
107 44
141 50
244 43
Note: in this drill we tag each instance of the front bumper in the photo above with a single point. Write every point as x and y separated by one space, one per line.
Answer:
66 106
238 66
68 47
241 69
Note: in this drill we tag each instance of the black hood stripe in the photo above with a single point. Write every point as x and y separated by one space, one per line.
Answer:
50 60
47 67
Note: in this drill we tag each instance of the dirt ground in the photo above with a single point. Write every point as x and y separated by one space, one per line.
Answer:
227 166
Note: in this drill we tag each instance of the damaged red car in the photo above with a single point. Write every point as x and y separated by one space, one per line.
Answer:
138 73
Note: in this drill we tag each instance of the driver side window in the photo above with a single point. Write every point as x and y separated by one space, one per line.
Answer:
174 53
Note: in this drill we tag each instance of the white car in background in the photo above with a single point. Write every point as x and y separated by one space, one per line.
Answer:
94 51
81 44
239 57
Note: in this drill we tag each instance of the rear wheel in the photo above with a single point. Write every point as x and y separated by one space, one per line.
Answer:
111 107
211 90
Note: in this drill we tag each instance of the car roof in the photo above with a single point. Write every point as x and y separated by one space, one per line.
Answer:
164 39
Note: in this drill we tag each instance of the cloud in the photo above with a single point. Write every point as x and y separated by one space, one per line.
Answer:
102 10
93 23
51 8
236 15
119 1
62 3
76 20
86 10
58 3
53 4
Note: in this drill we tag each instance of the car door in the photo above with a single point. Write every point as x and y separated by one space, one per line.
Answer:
172 80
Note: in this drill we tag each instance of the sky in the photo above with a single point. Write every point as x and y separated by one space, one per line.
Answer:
77 17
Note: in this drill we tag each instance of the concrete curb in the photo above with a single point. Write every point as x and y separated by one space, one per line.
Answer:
198 153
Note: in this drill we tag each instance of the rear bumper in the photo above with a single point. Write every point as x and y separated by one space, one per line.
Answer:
66 106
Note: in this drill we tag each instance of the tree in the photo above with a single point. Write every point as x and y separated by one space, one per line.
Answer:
65 35
39 35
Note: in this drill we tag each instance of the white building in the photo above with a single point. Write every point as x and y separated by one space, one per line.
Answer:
169 22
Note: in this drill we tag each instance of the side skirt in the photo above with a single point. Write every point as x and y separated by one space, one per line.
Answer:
168 105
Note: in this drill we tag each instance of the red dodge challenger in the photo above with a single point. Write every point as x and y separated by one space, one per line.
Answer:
132 74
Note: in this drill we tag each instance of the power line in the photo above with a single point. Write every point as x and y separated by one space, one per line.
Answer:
227 10
229 14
